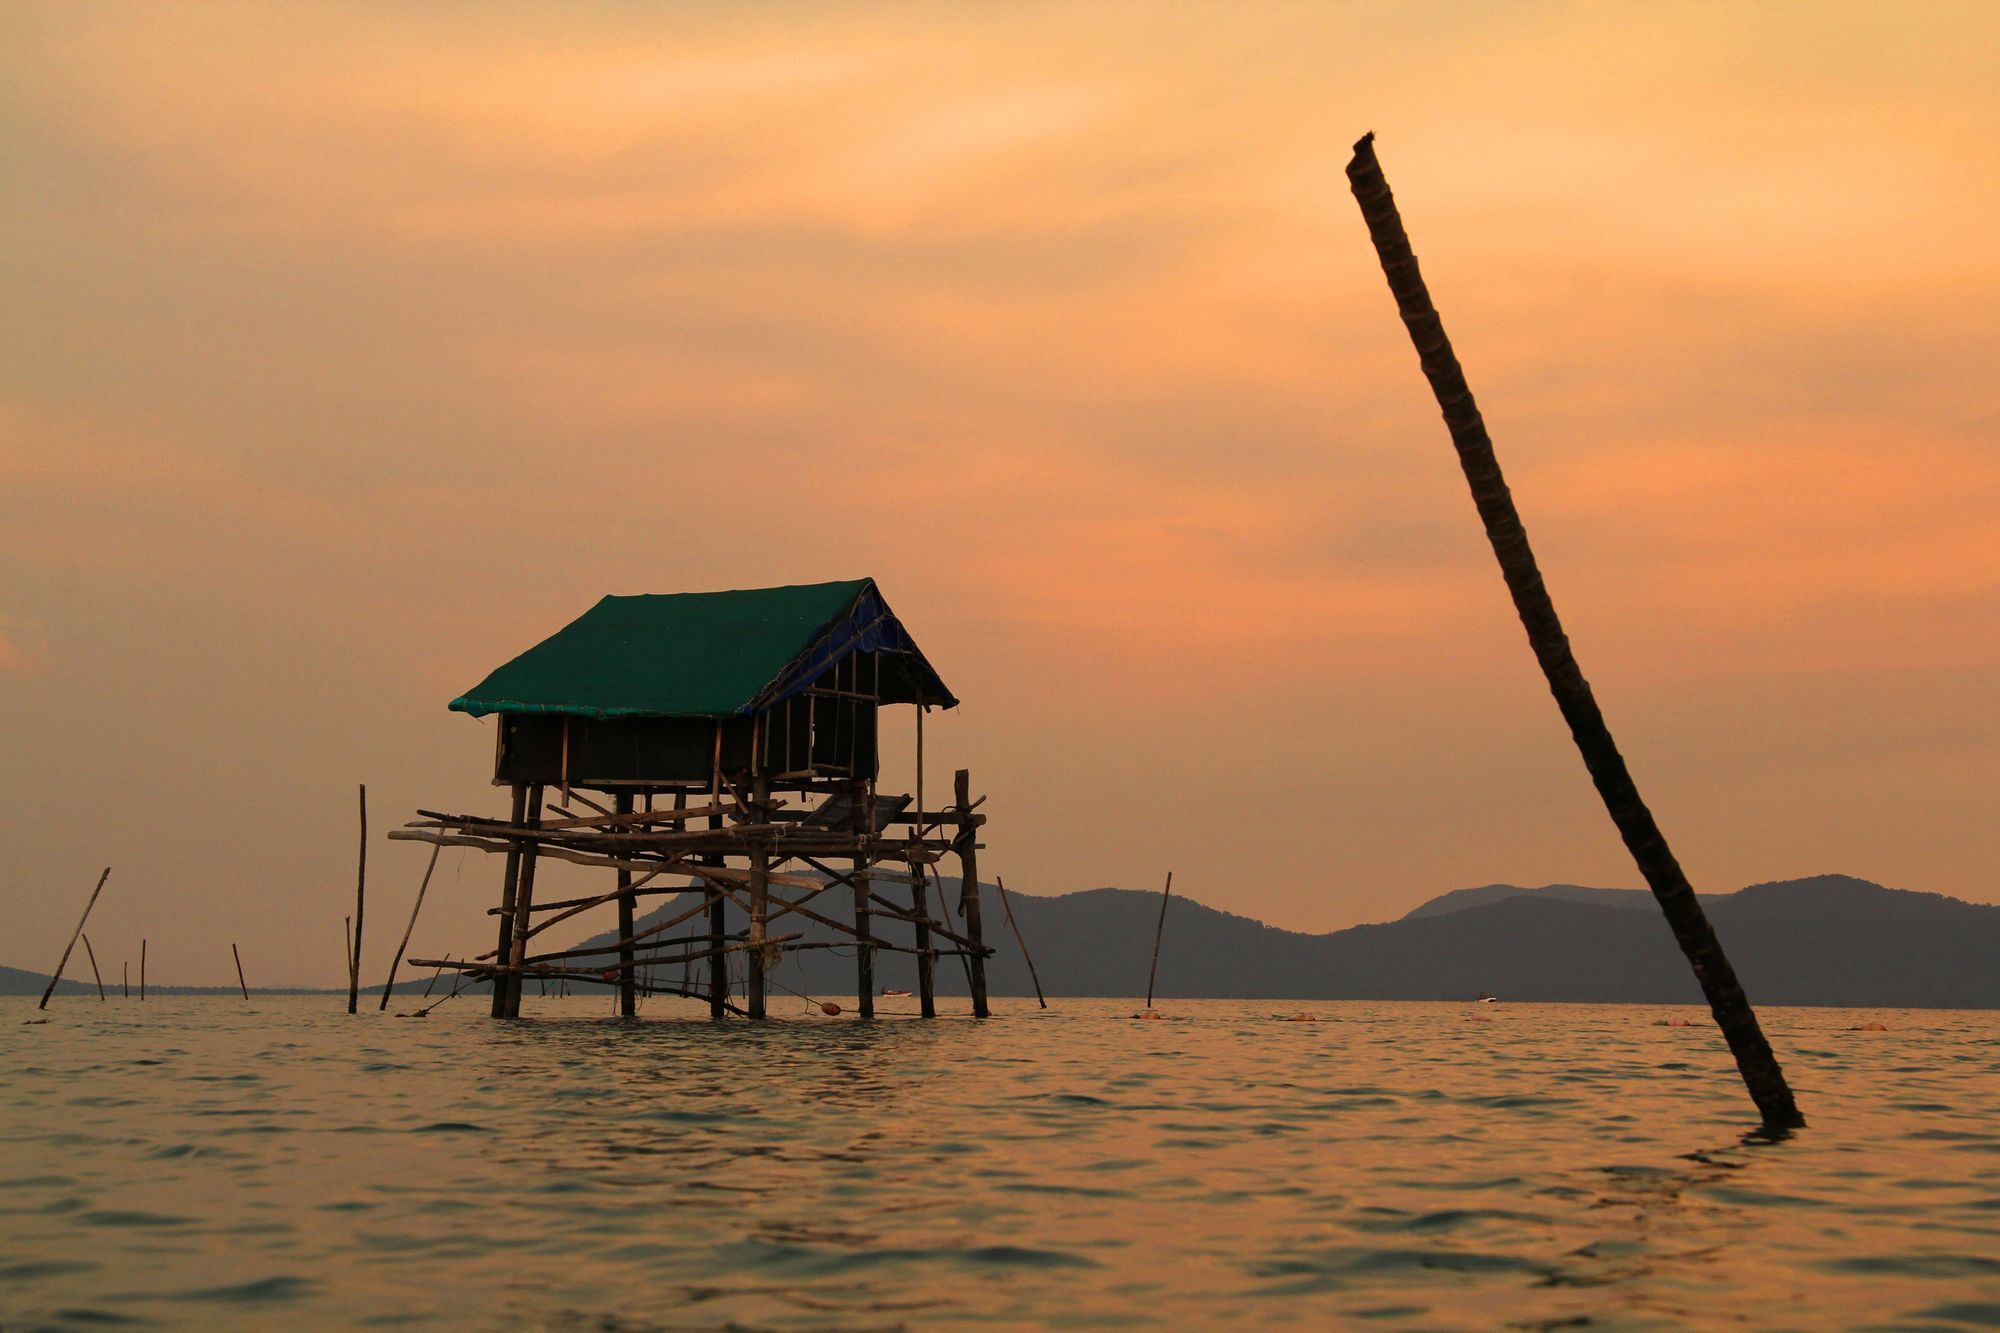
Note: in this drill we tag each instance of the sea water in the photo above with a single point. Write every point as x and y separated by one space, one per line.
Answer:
276 1163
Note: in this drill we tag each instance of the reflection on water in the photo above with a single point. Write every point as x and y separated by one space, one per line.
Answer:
204 1162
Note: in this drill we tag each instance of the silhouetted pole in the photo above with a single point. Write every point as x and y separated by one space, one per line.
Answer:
74 937
1509 538
1158 931
142 971
1033 976
95 975
125 970
397 961
360 896
240 984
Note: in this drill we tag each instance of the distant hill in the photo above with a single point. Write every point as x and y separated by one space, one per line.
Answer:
1826 940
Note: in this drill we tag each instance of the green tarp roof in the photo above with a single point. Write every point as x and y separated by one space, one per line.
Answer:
706 654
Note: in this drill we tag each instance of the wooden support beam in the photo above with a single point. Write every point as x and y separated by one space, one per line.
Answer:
760 904
510 880
524 902
864 953
926 955
968 892
628 998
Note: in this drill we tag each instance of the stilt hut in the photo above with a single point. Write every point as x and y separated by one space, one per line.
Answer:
727 739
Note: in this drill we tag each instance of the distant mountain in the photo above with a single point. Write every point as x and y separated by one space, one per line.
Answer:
1827 940
1460 899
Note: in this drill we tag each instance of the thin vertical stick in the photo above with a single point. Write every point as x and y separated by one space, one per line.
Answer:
397 961
628 981
126 968
347 927
1573 696
360 896
142 970
240 983
91 954
1008 908
74 938
1158 931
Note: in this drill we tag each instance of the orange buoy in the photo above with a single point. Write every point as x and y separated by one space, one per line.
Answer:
829 1008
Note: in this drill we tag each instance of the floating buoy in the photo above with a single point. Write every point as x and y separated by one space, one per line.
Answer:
829 1008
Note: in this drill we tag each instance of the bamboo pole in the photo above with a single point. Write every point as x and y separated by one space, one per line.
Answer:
1159 930
524 899
74 937
510 886
628 994
415 908
125 968
347 928
1008 908
1509 538
240 983
142 970
920 913
91 954
360 896
967 843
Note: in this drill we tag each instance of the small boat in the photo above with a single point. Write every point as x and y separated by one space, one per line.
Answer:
1484 998
890 993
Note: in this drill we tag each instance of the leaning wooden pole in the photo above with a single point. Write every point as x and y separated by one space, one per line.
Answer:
1159 930
415 908
241 984
1007 907
1726 1000
74 937
360 896
95 975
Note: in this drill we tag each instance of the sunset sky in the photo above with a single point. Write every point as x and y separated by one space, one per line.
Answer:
347 350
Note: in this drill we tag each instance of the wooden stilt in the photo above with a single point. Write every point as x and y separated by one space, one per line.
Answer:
240 983
74 937
926 956
1159 930
760 905
360 899
510 881
524 902
1762 1076
968 890
1008 908
142 971
415 908
126 969
91 954
864 934
628 995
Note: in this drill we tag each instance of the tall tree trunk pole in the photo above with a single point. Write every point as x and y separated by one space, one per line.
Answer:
1159 930
360 894
74 937
1726 1000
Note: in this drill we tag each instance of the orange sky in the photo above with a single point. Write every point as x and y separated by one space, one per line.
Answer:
349 350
